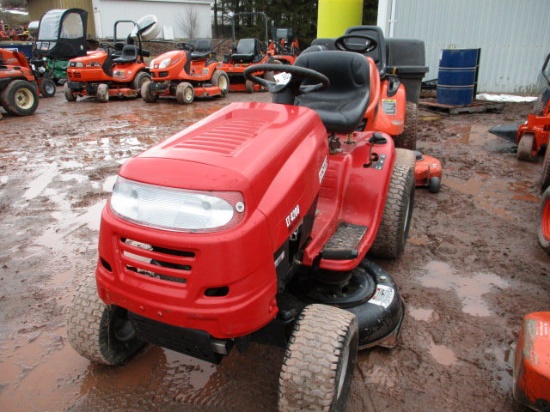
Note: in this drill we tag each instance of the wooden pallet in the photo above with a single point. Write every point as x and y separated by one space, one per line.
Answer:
477 106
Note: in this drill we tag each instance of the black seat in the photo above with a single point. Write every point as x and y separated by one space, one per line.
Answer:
202 48
342 105
247 50
129 54
379 54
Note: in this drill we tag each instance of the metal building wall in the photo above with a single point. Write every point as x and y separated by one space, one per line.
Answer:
514 36
169 13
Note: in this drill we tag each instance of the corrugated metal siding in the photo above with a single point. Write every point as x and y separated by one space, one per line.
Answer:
169 13
514 37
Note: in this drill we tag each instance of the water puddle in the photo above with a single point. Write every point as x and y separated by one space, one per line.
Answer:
443 354
426 315
469 289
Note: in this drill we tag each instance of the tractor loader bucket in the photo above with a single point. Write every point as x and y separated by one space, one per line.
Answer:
507 131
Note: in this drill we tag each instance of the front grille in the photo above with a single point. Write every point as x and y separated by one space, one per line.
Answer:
169 265
163 74
76 75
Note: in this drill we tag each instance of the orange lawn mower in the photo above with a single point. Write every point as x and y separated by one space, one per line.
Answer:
427 172
118 71
18 86
532 135
185 75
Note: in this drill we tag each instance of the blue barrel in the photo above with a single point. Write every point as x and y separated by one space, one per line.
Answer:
24 47
457 76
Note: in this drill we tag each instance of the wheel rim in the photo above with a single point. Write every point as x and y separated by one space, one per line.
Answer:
222 83
188 94
545 220
50 88
24 98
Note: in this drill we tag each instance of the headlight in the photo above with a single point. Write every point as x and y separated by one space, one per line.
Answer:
176 209
164 64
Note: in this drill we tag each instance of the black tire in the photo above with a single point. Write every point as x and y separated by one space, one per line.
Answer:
249 86
407 139
70 96
47 87
138 81
102 93
319 360
526 148
148 94
20 98
434 185
544 222
405 157
99 332
545 181
185 94
394 228
221 80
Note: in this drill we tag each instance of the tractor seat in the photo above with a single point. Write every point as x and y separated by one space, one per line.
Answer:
247 49
202 48
129 54
342 105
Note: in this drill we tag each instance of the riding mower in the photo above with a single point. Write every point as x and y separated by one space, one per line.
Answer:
253 225
18 87
247 52
61 36
183 75
532 135
118 71
427 172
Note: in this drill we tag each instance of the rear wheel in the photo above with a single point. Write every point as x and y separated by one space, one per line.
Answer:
103 93
526 148
394 228
249 86
319 360
221 80
147 92
407 139
100 333
47 87
544 222
185 93
20 98
139 80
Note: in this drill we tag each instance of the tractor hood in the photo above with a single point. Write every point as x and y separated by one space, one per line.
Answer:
244 147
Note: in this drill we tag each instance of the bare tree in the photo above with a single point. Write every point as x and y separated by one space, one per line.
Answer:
189 23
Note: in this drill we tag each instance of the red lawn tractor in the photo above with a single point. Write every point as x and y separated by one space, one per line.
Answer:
18 87
118 71
253 225
251 51
184 74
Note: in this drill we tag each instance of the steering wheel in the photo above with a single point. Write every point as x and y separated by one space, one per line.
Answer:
299 76
187 47
342 44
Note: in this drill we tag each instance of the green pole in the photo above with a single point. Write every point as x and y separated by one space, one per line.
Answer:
335 16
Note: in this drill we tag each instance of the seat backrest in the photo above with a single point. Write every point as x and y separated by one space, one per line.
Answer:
342 105
379 53
246 46
129 54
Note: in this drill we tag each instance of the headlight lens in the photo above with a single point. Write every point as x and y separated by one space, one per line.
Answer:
164 64
176 209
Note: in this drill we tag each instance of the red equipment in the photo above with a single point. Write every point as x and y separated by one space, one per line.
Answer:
249 52
118 72
18 87
184 75
254 225
532 362
428 172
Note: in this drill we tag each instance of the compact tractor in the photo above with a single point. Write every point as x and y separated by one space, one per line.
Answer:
251 51
18 87
253 225
118 71
184 74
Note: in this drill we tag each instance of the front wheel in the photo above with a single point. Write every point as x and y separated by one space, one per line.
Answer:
139 80
319 360
103 93
544 222
20 98
47 87
526 148
185 93
100 333
147 92
70 96
249 87
221 80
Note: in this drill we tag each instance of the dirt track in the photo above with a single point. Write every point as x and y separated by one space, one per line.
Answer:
472 268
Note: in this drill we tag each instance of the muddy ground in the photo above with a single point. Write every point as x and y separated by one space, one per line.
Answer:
471 269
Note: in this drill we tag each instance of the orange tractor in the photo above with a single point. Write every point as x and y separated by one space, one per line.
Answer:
117 71
18 87
184 74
